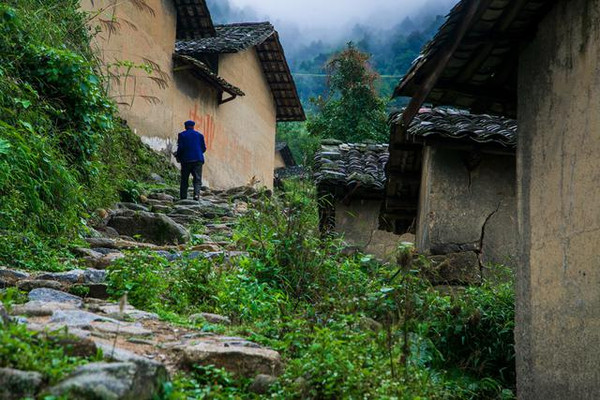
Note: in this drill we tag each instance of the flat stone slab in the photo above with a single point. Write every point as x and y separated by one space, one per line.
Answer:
129 311
51 295
31 284
240 360
41 308
122 329
77 318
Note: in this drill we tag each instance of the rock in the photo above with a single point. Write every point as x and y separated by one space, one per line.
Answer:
132 206
51 295
73 276
187 202
180 210
240 360
150 374
158 208
105 251
12 274
103 262
211 318
76 346
161 197
107 243
100 381
122 329
94 276
77 318
210 247
113 310
9 277
29 285
111 245
156 178
262 383
85 252
109 232
41 308
157 228
15 384
454 269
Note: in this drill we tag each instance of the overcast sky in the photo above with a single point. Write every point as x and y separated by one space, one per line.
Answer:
323 14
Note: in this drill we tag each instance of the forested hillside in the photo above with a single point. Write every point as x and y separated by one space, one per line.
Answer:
392 49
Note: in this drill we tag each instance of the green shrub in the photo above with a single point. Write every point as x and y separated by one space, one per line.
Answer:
34 351
282 235
63 150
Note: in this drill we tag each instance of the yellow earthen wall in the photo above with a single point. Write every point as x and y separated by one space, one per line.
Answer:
240 135
247 148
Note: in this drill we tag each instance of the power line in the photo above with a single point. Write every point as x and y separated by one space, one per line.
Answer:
324 75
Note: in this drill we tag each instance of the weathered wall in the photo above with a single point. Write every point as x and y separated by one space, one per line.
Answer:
558 285
249 122
240 135
359 223
461 210
154 104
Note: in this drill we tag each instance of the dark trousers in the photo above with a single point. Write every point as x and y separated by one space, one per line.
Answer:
195 169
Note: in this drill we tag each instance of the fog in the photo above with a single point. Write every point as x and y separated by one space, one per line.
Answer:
330 19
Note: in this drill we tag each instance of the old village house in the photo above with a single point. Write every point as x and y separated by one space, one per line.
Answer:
452 177
233 80
539 61
454 184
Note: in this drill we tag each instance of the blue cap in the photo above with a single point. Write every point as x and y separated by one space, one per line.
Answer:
189 123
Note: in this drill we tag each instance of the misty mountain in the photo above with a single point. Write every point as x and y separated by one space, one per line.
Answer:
392 48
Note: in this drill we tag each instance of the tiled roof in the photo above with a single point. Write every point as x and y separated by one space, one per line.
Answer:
231 38
193 19
234 38
204 72
460 125
472 61
351 169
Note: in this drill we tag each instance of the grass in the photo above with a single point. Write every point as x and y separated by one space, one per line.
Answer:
344 326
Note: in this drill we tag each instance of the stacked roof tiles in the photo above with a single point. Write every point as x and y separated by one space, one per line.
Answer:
234 38
357 169
460 125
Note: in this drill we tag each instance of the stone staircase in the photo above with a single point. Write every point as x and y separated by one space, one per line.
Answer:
140 350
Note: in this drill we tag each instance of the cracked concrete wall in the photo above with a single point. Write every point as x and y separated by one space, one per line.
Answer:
358 221
456 204
558 281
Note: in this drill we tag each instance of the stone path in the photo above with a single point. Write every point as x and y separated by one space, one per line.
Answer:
140 349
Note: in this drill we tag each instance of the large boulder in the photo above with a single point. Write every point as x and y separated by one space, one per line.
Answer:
15 384
156 228
238 359
101 380
150 374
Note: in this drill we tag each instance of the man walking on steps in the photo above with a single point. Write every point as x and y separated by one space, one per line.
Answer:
190 153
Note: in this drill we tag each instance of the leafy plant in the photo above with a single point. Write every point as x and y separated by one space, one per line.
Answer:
352 112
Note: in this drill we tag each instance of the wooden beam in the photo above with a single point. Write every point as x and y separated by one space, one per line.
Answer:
473 11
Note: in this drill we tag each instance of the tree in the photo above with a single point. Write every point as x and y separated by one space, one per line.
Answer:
352 112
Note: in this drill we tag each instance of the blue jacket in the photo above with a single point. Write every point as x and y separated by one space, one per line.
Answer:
190 146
